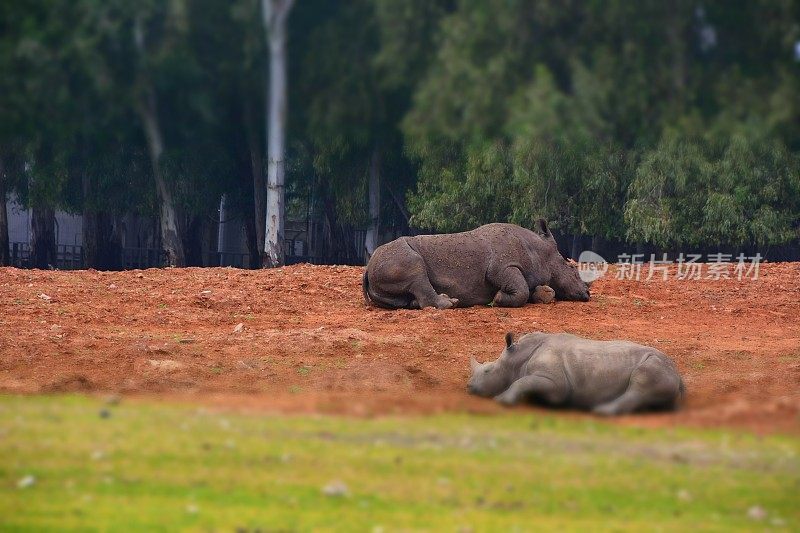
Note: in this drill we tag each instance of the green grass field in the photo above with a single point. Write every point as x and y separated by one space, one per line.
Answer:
70 462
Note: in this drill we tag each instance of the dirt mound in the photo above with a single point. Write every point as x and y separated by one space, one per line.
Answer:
300 339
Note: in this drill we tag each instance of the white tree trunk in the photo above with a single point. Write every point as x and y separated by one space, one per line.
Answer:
371 241
148 111
275 14
170 235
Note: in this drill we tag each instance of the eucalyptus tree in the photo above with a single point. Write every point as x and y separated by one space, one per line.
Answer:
356 64
37 113
615 119
276 14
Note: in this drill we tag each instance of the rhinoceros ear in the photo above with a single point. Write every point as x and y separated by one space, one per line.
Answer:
509 339
541 226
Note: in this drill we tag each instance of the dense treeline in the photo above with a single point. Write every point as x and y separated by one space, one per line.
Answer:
667 123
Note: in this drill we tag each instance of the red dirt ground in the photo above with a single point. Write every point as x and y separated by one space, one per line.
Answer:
308 343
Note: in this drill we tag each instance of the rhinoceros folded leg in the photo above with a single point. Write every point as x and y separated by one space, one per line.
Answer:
534 386
653 383
426 296
630 401
514 290
543 294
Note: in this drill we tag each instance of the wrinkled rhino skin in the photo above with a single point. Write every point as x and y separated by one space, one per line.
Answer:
608 377
499 264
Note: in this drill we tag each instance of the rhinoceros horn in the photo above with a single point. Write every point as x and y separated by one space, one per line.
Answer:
474 364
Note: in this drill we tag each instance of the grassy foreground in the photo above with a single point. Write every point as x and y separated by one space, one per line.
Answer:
70 462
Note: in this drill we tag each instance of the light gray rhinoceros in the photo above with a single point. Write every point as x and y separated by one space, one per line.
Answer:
502 264
608 377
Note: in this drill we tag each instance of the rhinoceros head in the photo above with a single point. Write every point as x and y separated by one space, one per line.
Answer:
492 378
565 278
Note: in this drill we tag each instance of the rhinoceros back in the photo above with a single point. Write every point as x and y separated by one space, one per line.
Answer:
458 264
597 371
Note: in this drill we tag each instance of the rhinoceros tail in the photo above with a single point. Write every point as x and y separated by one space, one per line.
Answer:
681 398
365 287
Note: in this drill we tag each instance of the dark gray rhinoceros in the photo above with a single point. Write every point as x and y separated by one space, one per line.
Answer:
607 377
502 264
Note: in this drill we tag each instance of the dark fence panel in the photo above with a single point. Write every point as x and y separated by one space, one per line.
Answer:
228 259
316 260
297 252
143 258
20 254
69 257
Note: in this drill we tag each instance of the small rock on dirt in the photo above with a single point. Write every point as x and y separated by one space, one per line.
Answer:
27 481
165 364
756 512
335 489
112 399
238 327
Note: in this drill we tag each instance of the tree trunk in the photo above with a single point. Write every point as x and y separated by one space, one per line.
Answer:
253 249
252 173
207 247
168 217
259 189
91 227
148 112
43 238
91 238
577 242
193 245
111 249
399 203
102 249
223 218
676 37
275 14
334 244
597 243
373 232
5 253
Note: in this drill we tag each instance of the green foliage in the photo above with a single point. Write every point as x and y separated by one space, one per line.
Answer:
343 114
644 120
662 122
723 190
